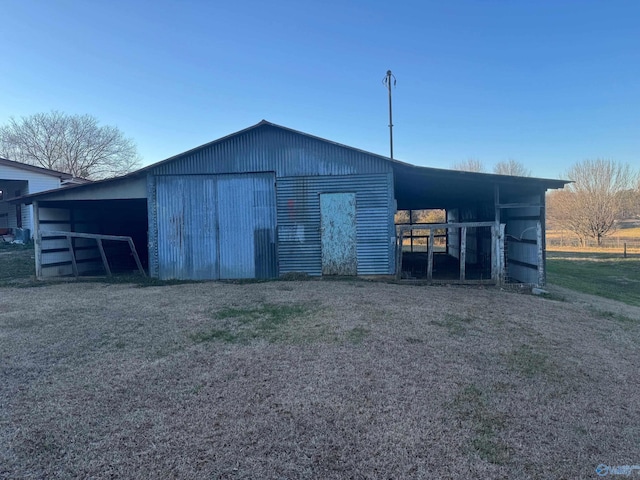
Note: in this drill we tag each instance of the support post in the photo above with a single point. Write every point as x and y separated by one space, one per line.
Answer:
494 254
37 238
399 255
539 240
411 225
74 265
501 263
104 257
430 255
135 257
463 253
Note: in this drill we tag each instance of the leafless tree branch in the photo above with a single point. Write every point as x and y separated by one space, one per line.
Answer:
74 144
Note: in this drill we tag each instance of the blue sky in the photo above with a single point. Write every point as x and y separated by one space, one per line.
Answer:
547 83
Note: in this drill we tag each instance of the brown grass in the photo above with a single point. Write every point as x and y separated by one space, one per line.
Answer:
313 379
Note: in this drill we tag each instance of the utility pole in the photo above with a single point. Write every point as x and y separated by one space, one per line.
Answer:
387 81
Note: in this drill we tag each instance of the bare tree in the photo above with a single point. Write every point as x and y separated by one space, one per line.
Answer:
590 205
74 144
511 167
469 165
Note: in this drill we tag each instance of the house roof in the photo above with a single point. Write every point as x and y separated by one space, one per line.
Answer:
32 168
414 181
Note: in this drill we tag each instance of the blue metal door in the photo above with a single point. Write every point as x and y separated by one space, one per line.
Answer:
338 233
247 219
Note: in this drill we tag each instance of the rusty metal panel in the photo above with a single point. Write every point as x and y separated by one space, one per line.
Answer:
299 241
187 227
338 233
276 149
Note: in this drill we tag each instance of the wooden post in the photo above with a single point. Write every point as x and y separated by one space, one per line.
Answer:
37 238
74 265
411 231
399 255
430 255
625 249
539 240
135 257
501 263
494 254
463 253
104 257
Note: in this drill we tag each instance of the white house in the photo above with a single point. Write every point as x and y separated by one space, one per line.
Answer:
17 179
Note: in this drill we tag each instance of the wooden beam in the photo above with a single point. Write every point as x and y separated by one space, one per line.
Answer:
430 255
37 239
463 253
518 205
541 270
501 262
399 255
104 257
435 226
135 257
74 265
55 233
494 253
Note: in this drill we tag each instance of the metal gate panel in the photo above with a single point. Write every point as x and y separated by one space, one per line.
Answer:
187 227
338 233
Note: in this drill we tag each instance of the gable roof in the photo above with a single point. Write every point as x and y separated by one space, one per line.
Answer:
32 168
411 174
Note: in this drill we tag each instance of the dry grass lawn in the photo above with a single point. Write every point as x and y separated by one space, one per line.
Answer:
314 379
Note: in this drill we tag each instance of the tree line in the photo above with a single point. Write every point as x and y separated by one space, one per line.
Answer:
602 193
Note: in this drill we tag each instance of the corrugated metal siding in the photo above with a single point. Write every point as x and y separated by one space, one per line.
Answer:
269 148
187 237
299 242
247 219
213 226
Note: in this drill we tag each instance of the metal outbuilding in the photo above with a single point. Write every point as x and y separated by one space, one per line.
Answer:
269 200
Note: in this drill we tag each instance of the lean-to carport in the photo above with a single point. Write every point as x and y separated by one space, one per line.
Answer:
495 226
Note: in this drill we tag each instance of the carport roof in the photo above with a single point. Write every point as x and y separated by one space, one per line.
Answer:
415 186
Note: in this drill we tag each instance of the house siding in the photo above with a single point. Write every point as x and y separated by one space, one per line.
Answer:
27 182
